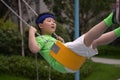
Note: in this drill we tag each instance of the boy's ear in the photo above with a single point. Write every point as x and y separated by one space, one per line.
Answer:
40 26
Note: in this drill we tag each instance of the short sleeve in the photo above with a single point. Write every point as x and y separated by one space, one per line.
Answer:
40 41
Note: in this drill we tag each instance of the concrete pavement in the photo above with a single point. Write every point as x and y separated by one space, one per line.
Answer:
106 60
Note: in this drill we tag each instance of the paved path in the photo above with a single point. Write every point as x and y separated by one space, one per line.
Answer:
106 60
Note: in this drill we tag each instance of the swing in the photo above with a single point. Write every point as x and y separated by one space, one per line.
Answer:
66 56
59 51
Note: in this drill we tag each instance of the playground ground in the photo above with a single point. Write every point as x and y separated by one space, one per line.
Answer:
106 61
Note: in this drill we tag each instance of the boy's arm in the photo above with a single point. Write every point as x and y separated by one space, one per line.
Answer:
33 46
60 39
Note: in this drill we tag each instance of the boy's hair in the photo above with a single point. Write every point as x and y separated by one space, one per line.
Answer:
41 17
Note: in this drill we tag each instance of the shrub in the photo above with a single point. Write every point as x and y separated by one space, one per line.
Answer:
10 38
109 51
26 67
10 42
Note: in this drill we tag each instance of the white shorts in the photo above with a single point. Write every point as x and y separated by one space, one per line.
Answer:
80 48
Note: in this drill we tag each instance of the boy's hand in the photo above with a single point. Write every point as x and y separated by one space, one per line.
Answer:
32 29
60 38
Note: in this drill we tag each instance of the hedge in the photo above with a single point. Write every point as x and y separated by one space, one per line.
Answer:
109 51
26 67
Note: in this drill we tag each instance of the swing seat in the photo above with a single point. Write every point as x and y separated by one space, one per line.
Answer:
66 56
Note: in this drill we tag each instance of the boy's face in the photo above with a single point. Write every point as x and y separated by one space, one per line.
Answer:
48 26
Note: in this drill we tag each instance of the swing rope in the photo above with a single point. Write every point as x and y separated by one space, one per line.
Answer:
29 15
29 26
17 15
30 7
35 13
14 12
46 40
64 59
36 56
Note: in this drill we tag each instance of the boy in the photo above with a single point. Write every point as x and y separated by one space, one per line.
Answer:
85 44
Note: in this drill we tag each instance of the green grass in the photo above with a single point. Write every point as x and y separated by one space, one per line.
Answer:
104 72
11 77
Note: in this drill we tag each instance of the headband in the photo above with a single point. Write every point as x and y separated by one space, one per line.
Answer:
43 17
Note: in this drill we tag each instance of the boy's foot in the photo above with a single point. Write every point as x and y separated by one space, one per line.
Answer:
116 13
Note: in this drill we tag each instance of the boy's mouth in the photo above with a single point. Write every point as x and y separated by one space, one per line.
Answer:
53 27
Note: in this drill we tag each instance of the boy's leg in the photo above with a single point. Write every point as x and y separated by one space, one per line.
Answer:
106 38
98 30
79 46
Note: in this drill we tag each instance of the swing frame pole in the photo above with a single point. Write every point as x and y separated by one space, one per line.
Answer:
76 24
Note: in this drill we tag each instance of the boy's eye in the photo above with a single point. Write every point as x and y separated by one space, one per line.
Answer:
48 20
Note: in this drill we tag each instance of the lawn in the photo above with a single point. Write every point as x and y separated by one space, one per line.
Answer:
104 72
11 77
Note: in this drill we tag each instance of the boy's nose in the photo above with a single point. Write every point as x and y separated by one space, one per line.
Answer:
53 23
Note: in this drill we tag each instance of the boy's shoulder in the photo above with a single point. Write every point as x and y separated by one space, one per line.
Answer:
45 38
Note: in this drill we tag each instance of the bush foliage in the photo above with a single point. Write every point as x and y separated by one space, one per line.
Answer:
26 67
109 51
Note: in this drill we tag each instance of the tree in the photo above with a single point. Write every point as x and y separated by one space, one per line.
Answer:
89 10
92 10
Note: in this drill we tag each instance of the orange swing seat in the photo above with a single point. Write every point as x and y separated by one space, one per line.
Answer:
66 56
